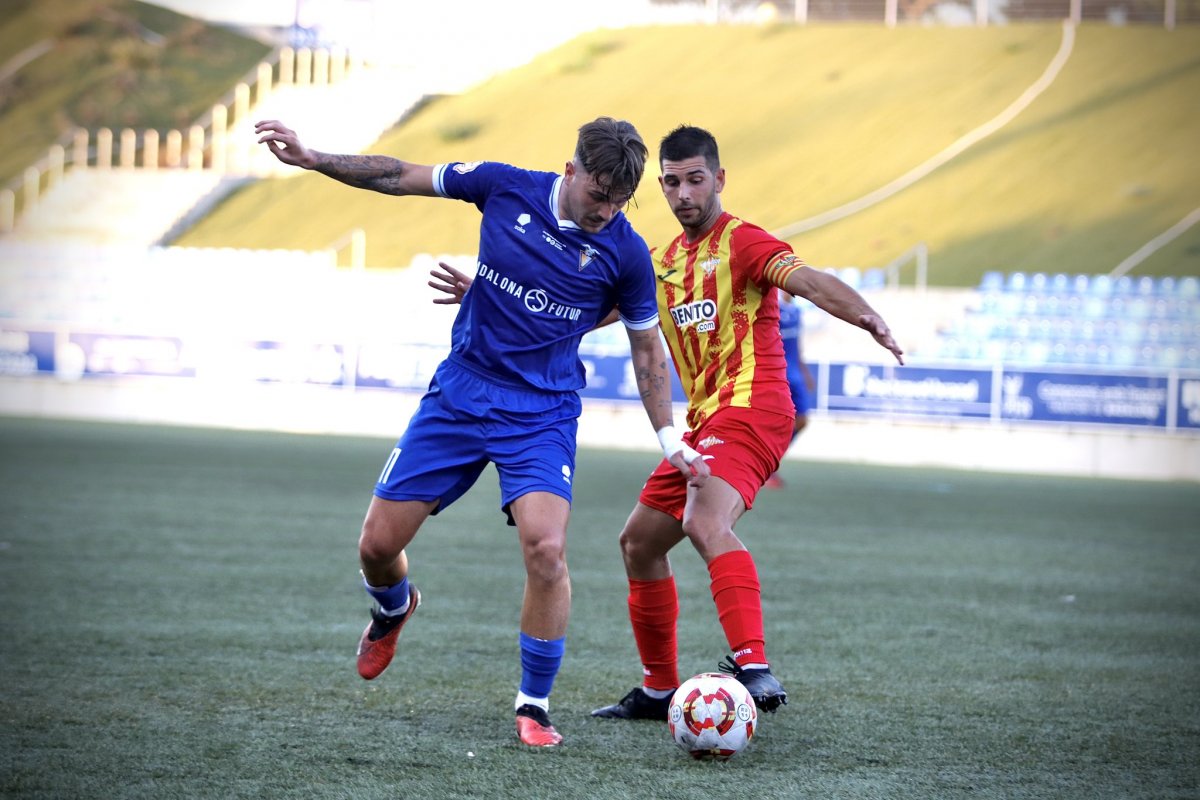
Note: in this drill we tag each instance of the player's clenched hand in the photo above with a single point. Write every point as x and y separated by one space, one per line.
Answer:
450 281
682 456
879 329
697 472
284 144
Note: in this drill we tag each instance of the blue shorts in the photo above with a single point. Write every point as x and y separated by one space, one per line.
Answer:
465 421
800 394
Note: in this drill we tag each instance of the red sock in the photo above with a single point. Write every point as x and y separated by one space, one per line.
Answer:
653 610
736 592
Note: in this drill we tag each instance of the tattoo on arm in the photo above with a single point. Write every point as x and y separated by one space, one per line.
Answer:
378 173
647 381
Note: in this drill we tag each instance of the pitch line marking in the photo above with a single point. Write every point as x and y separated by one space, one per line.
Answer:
967 140
1149 248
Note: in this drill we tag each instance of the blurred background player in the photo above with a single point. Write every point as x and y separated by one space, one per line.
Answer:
799 377
555 254
719 311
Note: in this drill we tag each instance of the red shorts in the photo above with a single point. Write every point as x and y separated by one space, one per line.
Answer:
742 446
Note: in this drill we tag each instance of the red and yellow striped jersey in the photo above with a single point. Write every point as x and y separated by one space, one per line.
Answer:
720 315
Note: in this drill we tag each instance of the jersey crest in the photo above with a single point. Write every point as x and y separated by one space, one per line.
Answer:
586 254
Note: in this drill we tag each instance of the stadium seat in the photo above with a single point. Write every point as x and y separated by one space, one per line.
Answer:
1095 307
1063 329
1138 307
1083 353
1017 281
1189 287
1010 304
970 349
1072 305
994 350
1131 331
1176 332
1123 355
1101 285
1036 353
992 281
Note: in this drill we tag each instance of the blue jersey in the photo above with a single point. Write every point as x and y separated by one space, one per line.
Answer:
790 325
789 330
541 282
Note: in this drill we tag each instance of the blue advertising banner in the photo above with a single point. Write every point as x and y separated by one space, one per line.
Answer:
389 365
293 362
610 377
1188 399
1105 398
121 354
923 391
26 352
1166 400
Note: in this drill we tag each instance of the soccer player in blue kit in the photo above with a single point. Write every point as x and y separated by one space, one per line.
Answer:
799 377
556 254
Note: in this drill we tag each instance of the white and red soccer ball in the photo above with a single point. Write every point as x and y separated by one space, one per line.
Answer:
712 716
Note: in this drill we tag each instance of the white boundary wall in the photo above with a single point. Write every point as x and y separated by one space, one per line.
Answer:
1091 451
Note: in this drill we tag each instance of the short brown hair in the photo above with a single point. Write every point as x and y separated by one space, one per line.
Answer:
688 141
613 153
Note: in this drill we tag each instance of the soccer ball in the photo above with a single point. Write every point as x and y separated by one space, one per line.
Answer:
712 716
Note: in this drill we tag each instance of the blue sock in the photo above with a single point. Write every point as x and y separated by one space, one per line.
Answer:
540 660
392 599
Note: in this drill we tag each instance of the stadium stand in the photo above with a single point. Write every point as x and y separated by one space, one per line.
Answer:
1035 319
138 206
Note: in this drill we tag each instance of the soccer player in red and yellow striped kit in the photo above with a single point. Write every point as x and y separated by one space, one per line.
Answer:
719 312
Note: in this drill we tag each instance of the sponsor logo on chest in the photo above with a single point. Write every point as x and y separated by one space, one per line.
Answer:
700 313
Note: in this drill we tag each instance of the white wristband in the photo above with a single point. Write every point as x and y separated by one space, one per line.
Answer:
672 442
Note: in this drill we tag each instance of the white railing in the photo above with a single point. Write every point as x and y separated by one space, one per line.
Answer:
205 145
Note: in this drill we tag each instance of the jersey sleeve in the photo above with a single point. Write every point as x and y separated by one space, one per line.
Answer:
471 181
637 299
767 258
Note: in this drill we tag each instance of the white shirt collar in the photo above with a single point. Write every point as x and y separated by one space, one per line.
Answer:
554 205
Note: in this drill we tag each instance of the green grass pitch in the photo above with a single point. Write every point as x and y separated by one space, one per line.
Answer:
181 607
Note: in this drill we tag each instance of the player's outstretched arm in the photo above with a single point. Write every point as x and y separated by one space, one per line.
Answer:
831 294
650 370
377 173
